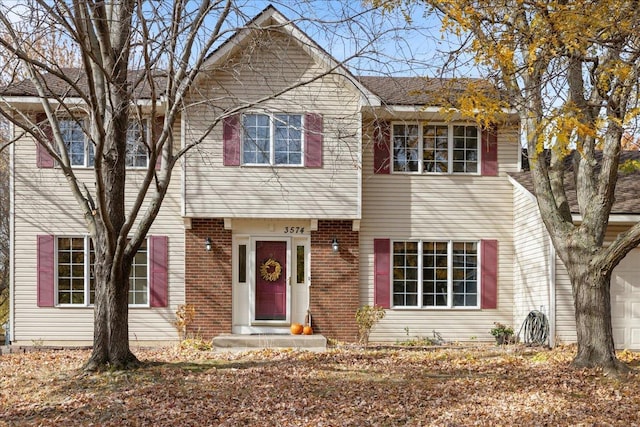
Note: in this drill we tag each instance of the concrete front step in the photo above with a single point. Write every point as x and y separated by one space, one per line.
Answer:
233 342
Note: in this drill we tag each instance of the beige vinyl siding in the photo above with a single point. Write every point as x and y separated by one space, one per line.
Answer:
565 312
434 207
215 190
44 204
532 267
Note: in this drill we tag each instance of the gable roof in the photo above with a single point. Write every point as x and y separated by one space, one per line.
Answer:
627 195
375 90
270 16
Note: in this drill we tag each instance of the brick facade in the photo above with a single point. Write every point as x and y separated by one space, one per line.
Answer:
208 277
335 280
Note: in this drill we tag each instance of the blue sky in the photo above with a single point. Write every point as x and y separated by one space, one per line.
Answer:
401 48
393 46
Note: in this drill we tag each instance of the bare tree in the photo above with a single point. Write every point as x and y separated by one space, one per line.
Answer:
166 44
53 45
571 69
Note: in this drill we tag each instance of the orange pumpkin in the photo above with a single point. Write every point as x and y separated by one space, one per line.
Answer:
307 330
296 328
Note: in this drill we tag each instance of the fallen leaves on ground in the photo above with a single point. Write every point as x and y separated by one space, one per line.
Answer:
340 387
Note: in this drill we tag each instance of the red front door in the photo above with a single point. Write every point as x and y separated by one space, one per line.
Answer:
271 280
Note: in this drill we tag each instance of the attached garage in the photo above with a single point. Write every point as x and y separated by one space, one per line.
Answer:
625 302
541 280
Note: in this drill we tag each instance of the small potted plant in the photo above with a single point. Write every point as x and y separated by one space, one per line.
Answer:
502 333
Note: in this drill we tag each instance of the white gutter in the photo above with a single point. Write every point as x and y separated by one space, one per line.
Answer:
183 164
143 102
613 218
360 162
427 109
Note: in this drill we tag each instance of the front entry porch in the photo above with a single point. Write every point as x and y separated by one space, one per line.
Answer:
255 279
238 342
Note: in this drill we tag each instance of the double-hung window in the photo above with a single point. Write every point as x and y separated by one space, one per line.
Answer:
81 150
137 150
435 148
272 139
75 277
76 142
435 274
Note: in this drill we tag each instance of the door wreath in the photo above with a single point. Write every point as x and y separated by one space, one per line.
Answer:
270 270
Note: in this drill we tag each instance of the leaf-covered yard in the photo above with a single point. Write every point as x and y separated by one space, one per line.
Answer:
459 386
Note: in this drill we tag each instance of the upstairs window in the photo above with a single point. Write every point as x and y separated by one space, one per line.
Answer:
272 139
435 148
75 140
137 151
81 151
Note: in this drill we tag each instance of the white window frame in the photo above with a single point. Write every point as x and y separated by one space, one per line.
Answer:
89 155
145 134
86 163
450 295
148 293
86 269
450 148
87 274
272 129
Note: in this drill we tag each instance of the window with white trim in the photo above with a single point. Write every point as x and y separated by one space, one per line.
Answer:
435 148
272 139
435 274
75 278
76 142
81 150
137 150
139 277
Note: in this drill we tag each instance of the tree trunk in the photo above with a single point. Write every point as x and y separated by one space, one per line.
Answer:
592 302
111 319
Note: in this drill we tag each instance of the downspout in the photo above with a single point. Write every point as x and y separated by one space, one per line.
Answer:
552 294
183 164
12 230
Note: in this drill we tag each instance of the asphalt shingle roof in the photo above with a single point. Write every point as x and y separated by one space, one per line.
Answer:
419 90
56 86
391 90
627 196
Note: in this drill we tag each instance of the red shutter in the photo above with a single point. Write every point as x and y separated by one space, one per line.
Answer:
46 270
382 272
489 273
159 279
490 151
381 147
231 140
158 131
313 140
43 158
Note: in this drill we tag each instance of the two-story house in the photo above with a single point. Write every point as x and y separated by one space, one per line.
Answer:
339 192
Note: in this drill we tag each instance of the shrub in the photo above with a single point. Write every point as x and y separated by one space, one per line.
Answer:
366 317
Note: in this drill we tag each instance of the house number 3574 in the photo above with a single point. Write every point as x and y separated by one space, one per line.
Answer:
294 230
